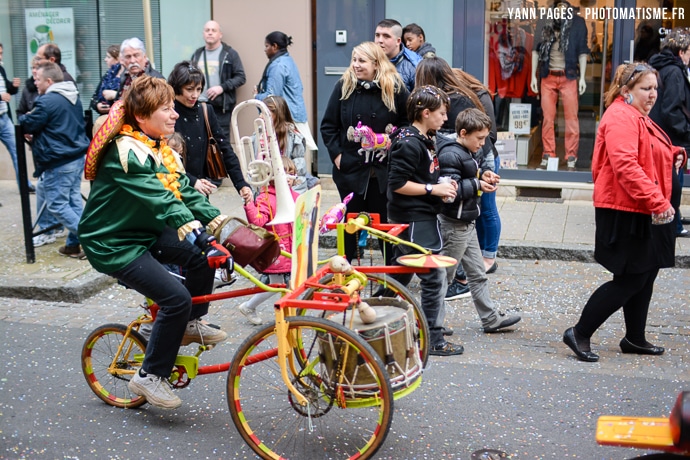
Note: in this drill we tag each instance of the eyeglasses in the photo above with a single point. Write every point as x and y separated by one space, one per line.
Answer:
192 68
638 69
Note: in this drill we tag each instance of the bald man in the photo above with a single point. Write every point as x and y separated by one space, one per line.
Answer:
222 67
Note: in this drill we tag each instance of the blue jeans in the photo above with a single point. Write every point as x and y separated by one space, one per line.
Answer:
7 137
489 222
149 277
62 188
46 219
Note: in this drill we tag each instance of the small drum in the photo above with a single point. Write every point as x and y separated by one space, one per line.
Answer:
393 336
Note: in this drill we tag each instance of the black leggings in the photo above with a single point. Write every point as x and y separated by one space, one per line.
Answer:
630 291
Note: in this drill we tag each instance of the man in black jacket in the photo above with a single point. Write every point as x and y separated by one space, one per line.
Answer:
50 52
222 67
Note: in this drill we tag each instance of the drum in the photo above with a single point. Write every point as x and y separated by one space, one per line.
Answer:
393 336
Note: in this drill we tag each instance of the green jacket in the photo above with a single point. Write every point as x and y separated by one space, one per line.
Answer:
128 207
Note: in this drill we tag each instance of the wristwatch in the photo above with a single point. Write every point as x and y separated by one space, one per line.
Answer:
428 188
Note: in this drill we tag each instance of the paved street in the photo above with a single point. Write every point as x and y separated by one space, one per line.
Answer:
522 392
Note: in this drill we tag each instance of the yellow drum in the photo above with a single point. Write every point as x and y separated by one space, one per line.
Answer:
394 337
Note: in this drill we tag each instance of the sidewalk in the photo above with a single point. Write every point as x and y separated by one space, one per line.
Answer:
530 230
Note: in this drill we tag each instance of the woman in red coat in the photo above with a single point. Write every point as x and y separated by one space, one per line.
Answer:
632 167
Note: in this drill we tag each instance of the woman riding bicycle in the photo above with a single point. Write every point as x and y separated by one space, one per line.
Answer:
159 218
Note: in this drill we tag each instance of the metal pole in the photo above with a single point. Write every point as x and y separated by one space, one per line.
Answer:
148 31
24 195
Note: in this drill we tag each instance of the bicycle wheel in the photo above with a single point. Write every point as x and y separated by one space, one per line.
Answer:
341 420
389 287
97 354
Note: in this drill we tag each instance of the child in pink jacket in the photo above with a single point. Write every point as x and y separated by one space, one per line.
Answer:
260 212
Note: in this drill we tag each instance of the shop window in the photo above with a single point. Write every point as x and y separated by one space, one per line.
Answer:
82 29
527 38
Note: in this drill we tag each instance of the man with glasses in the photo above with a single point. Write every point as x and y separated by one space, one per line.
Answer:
222 67
50 52
136 62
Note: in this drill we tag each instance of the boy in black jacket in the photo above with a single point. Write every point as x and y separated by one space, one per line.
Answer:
457 161
415 198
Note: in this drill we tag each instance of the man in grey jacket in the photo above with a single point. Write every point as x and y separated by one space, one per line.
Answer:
222 67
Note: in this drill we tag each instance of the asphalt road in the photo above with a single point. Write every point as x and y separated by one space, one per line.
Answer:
521 392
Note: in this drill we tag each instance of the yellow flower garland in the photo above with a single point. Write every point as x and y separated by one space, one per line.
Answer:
169 181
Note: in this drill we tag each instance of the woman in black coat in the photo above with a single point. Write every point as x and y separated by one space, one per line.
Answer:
188 81
370 93
672 109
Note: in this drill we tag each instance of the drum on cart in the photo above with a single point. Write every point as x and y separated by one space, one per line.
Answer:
394 337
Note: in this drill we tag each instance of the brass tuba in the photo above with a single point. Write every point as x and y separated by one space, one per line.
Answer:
266 165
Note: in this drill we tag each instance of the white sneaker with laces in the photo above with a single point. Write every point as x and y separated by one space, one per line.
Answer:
156 390
250 314
43 239
198 332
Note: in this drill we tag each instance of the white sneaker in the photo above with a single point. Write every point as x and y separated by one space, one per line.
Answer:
156 390
43 239
198 332
571 162
220 281
250 314
60 233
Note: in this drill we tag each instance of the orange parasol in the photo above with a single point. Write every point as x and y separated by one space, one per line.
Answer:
110 127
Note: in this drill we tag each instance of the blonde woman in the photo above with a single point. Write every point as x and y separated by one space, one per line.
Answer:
370 93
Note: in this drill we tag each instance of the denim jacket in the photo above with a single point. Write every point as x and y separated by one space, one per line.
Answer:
283 79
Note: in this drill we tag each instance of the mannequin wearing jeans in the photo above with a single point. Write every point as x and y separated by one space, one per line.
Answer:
560 59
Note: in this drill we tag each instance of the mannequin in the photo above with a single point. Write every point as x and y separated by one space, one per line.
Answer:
559 57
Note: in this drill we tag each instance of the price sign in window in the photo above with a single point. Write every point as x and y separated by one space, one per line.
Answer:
520 116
